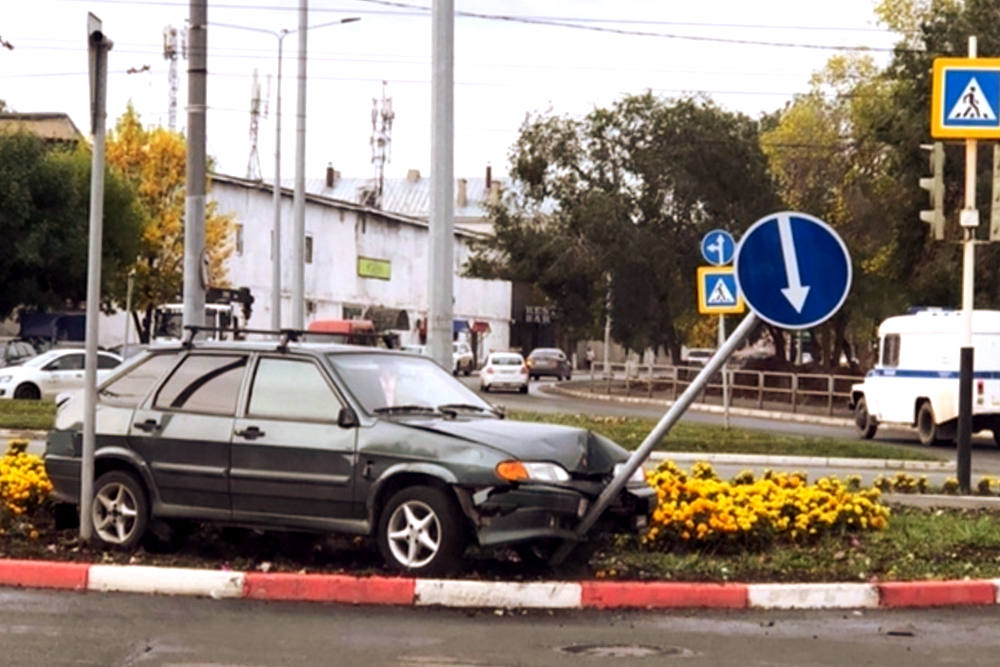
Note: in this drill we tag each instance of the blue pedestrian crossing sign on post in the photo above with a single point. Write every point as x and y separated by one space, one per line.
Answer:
718 293
793 270
965 103
718 247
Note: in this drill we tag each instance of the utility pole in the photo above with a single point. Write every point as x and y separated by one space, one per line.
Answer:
299 197
195 260
441 274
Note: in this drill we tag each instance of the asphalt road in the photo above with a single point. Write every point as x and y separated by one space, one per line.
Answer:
63 629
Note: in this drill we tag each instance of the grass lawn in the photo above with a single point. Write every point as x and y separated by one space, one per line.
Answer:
629 432
32 415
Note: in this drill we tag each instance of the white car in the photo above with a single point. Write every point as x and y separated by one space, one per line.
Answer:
504 370
463 358
51 373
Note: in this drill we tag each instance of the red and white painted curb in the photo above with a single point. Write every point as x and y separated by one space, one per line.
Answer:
401 591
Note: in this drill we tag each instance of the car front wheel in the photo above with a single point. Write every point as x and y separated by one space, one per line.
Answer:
120 511
28 392
864 423
419 532
927 428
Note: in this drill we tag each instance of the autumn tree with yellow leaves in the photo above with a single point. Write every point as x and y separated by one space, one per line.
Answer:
153 160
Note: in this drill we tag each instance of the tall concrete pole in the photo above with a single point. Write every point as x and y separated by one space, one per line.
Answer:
98 46
441 273
276 233
299 200
195 270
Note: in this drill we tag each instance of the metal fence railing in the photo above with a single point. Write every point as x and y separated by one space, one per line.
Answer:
794 392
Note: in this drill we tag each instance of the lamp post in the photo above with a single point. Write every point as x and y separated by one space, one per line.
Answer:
276 230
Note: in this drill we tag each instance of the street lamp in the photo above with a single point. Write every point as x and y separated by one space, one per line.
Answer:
276 233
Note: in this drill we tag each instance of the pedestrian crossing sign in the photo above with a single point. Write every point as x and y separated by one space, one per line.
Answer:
966 98
717 291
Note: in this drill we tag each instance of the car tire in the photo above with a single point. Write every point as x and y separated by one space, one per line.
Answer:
523 389
419 532
27 392
864 423
485 388
927 428
120 511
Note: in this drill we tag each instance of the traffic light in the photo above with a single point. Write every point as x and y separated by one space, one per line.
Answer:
935 184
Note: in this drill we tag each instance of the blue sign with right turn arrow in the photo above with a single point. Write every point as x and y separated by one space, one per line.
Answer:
793 270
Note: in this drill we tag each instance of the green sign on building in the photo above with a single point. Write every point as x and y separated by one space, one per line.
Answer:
374 268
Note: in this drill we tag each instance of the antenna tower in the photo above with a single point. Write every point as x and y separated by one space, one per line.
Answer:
253 164
382 117
170 53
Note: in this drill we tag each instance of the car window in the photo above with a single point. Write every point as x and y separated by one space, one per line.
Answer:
206 383
107 361
67 362
129 389
292 389
506 361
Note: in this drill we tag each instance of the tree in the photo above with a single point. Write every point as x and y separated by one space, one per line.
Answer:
607 211
153 160
45 223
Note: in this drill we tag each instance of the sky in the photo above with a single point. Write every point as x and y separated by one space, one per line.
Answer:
512 59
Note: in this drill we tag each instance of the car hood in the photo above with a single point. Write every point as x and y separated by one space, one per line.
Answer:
575 449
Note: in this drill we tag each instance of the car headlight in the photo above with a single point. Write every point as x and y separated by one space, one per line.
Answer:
535 471
638 476
4 379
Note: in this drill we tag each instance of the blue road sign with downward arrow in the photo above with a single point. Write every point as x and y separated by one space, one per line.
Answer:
793 270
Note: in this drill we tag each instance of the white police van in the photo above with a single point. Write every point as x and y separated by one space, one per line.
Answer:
915 381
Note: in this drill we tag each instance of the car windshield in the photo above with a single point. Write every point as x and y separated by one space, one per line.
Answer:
548 354
380 381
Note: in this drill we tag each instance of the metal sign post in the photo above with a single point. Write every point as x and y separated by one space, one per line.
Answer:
966 104
98 46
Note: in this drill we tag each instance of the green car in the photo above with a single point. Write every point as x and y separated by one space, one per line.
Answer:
320 437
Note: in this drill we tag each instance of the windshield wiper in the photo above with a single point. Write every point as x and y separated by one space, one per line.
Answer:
405 409
454 407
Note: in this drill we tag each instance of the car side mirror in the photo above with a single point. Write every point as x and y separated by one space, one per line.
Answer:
347 419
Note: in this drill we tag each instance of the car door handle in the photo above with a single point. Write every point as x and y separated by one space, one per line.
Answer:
251 433
148 426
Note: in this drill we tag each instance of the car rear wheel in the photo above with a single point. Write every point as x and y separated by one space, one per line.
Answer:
28 392
120 511
864 423
419 532
523 389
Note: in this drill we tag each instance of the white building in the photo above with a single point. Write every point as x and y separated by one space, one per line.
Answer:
361 261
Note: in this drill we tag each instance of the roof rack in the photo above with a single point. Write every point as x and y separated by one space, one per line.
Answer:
285 336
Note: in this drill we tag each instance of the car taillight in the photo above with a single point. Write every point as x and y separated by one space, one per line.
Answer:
488 370
524 370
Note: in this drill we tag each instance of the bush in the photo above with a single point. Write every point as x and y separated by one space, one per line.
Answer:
700 510
24 489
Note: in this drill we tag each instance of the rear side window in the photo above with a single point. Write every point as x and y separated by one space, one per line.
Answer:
206 383
292 389
890 351
104 361
130 389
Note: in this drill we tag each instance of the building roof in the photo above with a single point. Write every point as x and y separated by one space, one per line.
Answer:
52 126
410 196
318 193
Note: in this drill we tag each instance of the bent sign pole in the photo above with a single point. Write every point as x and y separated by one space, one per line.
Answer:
793 271
673 415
